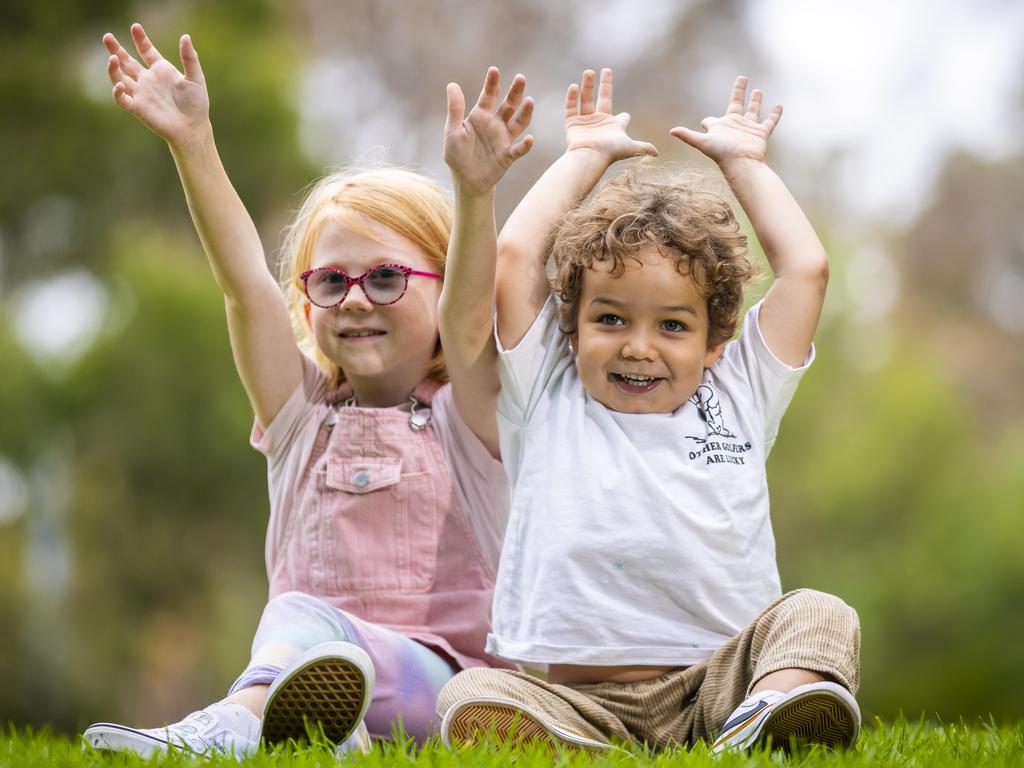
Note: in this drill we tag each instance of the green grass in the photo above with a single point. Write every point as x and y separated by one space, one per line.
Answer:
902 744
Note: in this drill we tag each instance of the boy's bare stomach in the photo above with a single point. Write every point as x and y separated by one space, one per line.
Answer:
574 674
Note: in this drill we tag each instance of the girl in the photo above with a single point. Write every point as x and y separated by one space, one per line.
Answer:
388 502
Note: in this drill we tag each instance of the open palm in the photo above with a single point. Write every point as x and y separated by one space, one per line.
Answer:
739 134
173 105
481 146
591 124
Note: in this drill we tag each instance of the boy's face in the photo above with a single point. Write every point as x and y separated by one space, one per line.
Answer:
641 343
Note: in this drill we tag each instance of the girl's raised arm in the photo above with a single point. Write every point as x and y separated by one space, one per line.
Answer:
478 148
175 106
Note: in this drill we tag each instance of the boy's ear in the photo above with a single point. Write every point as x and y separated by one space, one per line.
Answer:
713 353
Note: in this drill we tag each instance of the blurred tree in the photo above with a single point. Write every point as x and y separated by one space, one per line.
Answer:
964 265
135 575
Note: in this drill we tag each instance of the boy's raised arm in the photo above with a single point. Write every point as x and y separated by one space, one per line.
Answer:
737 142
175 106
595 138
478 149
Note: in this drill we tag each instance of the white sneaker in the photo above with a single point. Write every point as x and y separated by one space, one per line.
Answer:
330 686
219 729
471 720
816 713
359 741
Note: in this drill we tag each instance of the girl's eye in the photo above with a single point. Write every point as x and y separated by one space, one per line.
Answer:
610 320
673 326
331 278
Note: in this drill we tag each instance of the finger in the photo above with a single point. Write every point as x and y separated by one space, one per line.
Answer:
572 101
116 75
130 66
604 91
739 92
644 148
518 150
587 93
147 51
121 97
754 107
522 118
695 139
489 94
773 119
456 108
114 70
190 60
707 122
513 99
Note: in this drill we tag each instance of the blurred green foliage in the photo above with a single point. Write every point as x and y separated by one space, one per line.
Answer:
130 588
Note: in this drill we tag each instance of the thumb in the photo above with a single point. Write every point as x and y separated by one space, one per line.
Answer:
456 107
695 139
190 60
644 148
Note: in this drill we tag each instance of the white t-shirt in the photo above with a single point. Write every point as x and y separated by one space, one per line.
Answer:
634 538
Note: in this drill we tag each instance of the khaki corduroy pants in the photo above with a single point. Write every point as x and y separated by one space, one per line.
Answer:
804 629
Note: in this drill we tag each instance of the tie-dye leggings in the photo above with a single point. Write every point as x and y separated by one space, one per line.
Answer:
408 675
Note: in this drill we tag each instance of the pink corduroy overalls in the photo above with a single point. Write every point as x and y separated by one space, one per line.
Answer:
378 532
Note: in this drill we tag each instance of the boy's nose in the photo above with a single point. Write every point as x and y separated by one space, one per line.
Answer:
638 347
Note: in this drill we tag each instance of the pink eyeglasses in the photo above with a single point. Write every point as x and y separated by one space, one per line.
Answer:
383 284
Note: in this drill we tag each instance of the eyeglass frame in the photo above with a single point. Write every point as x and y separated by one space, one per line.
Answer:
350 281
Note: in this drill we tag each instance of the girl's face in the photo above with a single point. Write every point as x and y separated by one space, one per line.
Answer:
385 351
641 344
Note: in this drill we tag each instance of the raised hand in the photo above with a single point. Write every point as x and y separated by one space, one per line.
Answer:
173 105
739 134
480 147
591 124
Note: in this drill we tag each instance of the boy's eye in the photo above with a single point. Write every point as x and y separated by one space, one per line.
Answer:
673 326
610 320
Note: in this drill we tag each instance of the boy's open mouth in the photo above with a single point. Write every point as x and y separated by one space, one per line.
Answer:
635 384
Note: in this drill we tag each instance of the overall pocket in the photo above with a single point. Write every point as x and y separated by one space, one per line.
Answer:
379 526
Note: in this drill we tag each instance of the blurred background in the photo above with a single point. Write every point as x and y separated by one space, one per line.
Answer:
132 511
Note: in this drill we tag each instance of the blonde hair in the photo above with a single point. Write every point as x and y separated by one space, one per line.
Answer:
697 228
405 202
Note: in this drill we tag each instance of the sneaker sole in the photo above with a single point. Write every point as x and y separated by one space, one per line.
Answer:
816 717
110 737
510 723
331 691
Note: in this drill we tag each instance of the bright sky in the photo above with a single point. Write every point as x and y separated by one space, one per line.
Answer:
895 85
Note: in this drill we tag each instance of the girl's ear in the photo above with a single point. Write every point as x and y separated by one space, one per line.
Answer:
306 309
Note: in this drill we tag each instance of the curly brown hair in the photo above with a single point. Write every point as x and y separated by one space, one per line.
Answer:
676 215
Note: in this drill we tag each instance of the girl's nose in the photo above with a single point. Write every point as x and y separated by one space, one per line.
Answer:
355 300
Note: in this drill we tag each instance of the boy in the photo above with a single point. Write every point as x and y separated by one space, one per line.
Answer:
638 566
